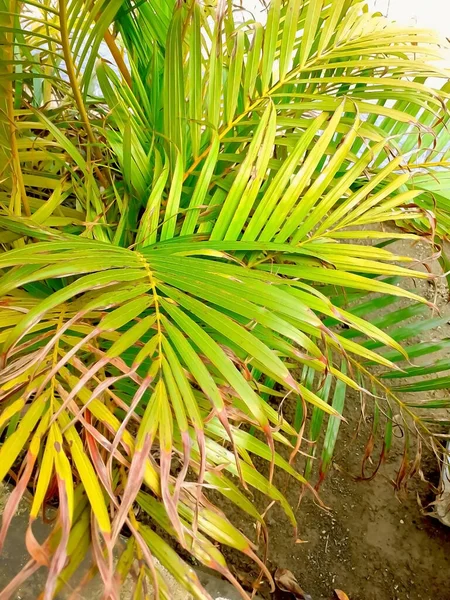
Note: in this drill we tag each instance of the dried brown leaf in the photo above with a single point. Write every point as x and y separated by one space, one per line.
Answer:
286 582
340 595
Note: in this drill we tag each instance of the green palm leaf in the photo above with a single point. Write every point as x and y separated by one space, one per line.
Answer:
181 227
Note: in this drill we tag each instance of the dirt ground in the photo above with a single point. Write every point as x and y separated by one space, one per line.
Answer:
373 543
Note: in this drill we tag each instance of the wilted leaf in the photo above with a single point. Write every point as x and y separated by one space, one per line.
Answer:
340 595
286 582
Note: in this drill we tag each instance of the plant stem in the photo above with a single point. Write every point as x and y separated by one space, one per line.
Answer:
18 195
111 43
75 87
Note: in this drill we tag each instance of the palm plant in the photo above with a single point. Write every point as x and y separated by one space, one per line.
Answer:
182 223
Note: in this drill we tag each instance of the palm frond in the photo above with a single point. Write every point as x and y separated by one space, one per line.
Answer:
182 225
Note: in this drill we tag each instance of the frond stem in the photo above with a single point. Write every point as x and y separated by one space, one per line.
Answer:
74 84
111 43
18 183
151 279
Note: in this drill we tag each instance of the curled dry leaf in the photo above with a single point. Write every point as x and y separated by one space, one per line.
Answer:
340 595
286 582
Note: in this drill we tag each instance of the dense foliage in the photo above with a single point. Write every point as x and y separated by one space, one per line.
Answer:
195 214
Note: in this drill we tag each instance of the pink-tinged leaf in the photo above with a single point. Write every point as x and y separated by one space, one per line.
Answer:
31 359
25 573
59 557
67 355
130 413
101 439
150 420
269 438
169 504
105 566
87 577
135 478
223 418
165 445
66 506
301 430
39 553
186 442
182 572
32 566
126 560
147 556
97 461
200 435
227 574
16 496
82 383
87 476
249 552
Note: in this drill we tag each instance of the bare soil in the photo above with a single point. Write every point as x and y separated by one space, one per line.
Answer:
372 544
